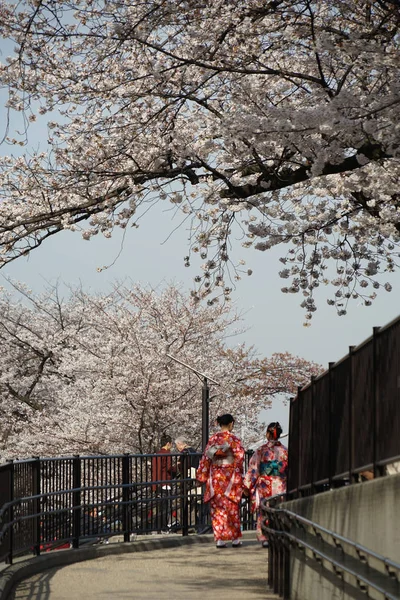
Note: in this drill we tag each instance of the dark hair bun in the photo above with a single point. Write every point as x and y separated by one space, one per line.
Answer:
225 419
275 429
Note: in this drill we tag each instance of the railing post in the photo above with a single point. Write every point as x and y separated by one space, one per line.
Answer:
205 416
126 506
272 551
351 419
275 558
36 505
289 485
270 565
275 547
280 569
286 567
312 449
330 434
184 493
299 437
375 419
9 559
76 501
284 590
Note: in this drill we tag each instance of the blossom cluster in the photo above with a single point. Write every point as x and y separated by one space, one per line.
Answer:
278 118
84 373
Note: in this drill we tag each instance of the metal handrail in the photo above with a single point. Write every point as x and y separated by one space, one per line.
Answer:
70 509
339 566
341 538
110 486
122 487
71 457
389 568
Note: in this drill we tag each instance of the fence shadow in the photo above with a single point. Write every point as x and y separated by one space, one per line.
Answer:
36 587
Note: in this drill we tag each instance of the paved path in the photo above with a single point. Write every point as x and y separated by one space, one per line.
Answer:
195 572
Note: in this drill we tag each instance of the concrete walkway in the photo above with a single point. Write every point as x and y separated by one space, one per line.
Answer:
195 572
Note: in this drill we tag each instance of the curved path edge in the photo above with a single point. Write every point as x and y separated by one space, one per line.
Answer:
13 574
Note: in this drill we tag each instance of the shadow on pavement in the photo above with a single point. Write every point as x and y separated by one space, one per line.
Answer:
195 570
36 588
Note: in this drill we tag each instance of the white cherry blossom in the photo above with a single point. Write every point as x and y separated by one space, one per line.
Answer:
84 373
278 119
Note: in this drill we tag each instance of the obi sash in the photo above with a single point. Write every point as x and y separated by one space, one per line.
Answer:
271 468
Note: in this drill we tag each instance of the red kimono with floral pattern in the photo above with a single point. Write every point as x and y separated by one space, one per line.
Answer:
266 476
221 469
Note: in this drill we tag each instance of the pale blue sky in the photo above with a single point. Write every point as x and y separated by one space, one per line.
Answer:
274 321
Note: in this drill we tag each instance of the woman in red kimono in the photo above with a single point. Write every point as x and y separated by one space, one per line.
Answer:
267 472
221 468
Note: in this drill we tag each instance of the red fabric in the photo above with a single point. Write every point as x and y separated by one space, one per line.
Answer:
225 519
161 468
225 480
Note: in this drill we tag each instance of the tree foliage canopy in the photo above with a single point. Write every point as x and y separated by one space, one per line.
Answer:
91 374
276 118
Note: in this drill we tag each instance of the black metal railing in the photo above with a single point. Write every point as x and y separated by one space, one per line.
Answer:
347 421
290 534
62 502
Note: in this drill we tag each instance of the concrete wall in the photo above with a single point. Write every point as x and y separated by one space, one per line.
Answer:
311 581
367 513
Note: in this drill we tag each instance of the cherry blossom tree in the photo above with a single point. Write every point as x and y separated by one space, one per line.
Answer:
277 121
91 373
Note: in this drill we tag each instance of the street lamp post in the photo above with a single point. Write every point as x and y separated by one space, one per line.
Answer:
205 413
205 400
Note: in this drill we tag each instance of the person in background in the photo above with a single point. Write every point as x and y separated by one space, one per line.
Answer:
267 472
161 466
194 492
198 509
162 471
221 468
182 445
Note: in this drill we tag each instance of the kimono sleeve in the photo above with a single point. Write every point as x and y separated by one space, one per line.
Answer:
203 471
238 453
253 472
